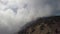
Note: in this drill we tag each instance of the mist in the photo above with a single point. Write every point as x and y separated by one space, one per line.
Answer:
14 14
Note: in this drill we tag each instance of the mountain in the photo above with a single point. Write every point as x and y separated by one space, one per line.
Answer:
44 25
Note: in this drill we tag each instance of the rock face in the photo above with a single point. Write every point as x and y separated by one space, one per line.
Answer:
45 25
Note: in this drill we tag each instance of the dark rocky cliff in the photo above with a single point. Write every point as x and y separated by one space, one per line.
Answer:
45 25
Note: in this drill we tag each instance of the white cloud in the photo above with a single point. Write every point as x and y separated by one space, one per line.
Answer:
16 13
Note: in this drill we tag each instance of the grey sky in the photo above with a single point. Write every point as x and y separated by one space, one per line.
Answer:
14 14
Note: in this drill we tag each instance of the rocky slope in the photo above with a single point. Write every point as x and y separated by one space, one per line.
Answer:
45 25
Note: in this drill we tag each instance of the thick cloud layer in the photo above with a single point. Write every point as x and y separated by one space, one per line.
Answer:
16 13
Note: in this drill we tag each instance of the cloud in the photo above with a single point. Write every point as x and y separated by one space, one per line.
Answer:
14 14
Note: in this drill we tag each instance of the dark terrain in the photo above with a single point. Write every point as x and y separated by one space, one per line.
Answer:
45 25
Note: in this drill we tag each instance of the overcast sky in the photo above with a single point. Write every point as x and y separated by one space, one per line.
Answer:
16 13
